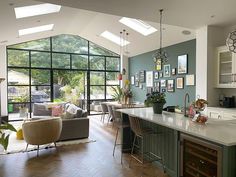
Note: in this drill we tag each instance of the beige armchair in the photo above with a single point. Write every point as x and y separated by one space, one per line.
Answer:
43 131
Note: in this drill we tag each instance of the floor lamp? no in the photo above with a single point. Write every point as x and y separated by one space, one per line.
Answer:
1 80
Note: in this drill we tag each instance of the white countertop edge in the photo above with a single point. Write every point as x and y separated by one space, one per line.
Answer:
181 130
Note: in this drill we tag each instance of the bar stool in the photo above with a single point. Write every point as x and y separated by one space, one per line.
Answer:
140 132
104 111
118 124
110 115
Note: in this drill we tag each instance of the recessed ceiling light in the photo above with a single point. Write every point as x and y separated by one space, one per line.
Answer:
40 9
186 32
114 38
36 29
138 25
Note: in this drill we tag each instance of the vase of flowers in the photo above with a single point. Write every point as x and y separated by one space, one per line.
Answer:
157 100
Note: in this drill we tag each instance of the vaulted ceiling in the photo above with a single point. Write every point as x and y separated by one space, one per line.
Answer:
89 18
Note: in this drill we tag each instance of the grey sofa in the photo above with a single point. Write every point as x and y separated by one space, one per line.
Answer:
74 128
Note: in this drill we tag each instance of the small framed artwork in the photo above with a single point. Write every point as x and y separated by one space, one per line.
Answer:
142 76
166 70
149 79
183 64
141 86
157 86
137 79
149 90
180 83
173 71
170 85
163 83
156 75
158 65
160 74
190 80
132 80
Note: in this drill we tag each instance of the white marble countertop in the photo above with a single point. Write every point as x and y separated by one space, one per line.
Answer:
218 131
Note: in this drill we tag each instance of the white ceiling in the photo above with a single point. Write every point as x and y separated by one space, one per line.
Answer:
187 13
87 24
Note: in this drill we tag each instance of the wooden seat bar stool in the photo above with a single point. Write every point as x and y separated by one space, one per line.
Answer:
140 132
118 124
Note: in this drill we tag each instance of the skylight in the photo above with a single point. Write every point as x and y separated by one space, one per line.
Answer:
114 38
40 9
36 29
138 25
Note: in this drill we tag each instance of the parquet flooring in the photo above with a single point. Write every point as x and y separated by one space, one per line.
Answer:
82 160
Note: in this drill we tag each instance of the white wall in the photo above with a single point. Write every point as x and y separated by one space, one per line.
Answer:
207 39
215 39
201 62
3 73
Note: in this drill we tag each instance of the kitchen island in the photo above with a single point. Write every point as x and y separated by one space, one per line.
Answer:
216 136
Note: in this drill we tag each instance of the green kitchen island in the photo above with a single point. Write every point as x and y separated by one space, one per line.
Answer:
189 148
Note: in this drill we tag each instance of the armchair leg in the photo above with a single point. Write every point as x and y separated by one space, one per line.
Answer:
55 144
38 151
26 147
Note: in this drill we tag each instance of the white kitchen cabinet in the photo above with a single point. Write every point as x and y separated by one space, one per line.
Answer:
221 113
226 68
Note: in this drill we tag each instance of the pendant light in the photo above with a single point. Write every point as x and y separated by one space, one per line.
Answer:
160 54
231 41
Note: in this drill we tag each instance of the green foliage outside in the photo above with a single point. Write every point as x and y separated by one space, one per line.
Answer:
72 82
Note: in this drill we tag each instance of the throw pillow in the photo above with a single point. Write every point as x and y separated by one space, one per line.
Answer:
57 111
67 115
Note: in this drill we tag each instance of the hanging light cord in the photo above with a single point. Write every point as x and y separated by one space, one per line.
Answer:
161 10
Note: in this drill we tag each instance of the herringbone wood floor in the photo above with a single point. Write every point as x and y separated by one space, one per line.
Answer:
82 160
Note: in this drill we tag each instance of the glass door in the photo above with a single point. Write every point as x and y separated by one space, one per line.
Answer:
70 86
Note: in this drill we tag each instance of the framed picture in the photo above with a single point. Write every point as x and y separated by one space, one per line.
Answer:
149 79
149 90
190 80
141 86
157 86
170 85
156 75
158 65
137 79
160 74
183 64
166 70
132 80
180 83
163 83
173 71
142 76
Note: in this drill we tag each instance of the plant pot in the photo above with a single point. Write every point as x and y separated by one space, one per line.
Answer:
157 108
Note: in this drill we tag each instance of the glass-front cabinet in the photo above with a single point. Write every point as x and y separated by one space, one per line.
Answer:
226 69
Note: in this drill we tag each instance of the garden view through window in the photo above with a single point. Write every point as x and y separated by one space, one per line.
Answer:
63 68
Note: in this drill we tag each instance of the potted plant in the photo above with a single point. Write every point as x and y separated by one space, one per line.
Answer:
127 92
156 100
4 135
118 94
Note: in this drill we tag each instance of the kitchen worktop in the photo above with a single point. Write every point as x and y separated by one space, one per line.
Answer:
219 131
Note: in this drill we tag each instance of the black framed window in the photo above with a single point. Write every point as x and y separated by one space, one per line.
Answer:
52 69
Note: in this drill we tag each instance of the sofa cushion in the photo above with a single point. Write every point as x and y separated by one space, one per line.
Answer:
57 111
67 115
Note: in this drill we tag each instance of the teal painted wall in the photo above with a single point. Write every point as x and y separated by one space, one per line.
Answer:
145 62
